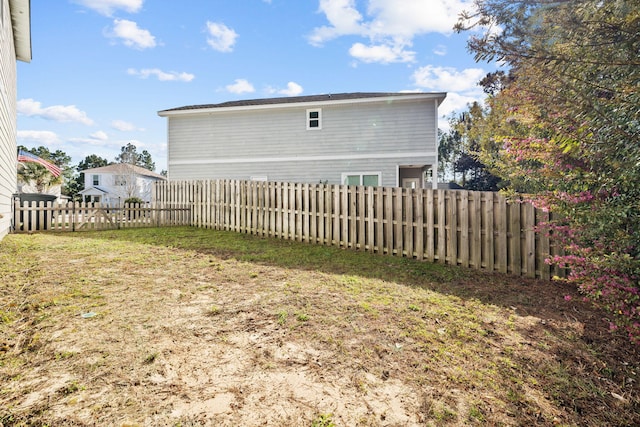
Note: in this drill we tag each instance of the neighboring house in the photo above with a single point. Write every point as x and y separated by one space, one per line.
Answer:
54 190
111 185
15 44
378 139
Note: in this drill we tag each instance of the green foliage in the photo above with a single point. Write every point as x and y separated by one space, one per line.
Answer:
323 420
565 126
282 317
129 154
134 200
90 162
459 152
38 175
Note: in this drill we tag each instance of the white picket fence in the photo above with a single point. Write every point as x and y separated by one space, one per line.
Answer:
30 216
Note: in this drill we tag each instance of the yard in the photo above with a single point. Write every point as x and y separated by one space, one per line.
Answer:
188 327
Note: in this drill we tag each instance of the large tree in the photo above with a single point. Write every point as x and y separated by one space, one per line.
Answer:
459 151
570 130
129 154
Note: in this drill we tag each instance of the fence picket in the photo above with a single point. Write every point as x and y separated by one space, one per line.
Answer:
407 221
489 237
430 232
419 221
396 220
305 212
515 246
501 238
464 248
369 217
442 231
476 231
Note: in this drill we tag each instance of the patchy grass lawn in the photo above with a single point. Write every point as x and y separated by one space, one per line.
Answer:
185 326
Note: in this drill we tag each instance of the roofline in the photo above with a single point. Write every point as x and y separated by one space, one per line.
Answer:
301 101
93 188
21 24
138 170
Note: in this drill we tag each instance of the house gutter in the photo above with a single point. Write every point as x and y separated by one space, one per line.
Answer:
438 96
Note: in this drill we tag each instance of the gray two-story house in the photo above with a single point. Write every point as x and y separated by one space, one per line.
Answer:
377 139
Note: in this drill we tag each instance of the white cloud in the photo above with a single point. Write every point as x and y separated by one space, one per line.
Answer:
102 136
384 54
98 139
461 87
221 37
448 78
124 126
293 89
43 137
389 25
163 76
343 17
240 86
412 17
440 50
456 102
59 113
107 7
131 35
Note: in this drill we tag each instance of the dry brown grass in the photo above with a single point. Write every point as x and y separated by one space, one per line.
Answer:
198 327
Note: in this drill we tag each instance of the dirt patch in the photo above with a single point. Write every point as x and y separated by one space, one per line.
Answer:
148 334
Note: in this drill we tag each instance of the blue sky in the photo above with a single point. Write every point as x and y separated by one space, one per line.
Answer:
102 69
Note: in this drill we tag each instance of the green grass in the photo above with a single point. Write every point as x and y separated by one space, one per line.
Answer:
472 348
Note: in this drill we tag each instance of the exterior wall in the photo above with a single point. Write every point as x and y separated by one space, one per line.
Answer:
373 137
8 96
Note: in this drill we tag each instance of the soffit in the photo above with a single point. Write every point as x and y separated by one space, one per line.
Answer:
21 23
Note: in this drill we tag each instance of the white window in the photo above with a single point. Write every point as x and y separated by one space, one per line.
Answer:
120 180
369 179
95 179
314 119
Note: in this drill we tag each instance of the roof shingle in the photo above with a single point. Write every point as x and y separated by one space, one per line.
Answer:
296 99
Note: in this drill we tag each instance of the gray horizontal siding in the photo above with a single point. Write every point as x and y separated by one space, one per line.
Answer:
7 119
242 144
302 171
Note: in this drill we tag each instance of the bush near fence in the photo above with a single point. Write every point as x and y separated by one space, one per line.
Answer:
481 230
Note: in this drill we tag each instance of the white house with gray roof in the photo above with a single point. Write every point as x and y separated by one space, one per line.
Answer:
378 139
15 44
113 184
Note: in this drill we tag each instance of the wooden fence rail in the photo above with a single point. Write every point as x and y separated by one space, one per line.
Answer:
38 216
481 230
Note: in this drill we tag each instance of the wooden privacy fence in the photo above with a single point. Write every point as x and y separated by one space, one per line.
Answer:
481 230
39 216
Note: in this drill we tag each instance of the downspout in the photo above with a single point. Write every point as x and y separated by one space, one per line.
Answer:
434 167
